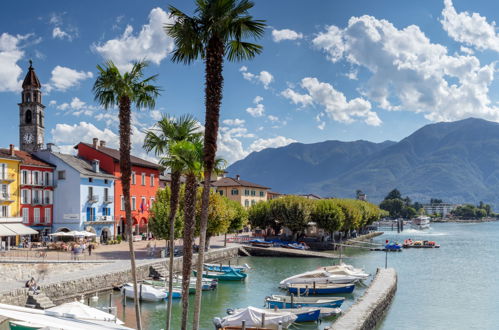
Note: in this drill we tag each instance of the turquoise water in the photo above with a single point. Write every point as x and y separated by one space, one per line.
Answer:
453 287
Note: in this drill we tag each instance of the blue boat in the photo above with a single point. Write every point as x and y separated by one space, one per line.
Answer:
224 276
392 246
226 268
320 288
279 301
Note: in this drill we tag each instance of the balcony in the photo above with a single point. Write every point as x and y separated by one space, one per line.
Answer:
108 200
47 201
4 197
37 201
8 178
92 199
104 219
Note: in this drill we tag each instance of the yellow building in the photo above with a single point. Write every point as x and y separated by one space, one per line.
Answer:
242 191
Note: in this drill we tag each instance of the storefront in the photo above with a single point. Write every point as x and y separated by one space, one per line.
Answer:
11 234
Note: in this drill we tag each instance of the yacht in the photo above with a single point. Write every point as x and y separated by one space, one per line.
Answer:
421 222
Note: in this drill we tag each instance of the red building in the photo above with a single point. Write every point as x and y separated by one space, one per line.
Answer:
143 188
37 193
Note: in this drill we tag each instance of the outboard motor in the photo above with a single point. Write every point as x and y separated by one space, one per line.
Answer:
217 322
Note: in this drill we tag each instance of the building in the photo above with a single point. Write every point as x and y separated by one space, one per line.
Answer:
273 195
242 191
310 196
84 195
443 209
36 193
143 188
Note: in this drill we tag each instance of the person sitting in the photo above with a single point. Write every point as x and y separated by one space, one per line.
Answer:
32 286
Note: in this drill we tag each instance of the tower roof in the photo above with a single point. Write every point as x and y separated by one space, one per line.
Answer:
31 80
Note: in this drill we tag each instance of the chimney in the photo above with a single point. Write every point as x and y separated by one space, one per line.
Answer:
11 149
238 177
102 143
95 143
95 165
49 146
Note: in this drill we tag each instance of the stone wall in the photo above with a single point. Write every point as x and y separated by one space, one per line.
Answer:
14 271
369 310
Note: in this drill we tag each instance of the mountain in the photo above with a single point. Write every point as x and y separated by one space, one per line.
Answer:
454 161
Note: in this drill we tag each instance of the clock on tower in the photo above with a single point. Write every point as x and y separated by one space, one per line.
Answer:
31 113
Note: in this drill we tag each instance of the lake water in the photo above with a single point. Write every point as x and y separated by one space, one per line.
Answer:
454 287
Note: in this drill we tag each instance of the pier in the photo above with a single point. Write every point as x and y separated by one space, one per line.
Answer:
256 251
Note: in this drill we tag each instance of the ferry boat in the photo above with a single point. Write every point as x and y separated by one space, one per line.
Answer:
421 222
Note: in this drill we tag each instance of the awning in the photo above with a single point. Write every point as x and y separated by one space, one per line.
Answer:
15 229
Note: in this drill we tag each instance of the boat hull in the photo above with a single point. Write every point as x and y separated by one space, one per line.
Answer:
347 288
275 303
233 276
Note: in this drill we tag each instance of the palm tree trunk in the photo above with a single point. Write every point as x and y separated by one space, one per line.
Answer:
126 172
175 188
189 222
213 99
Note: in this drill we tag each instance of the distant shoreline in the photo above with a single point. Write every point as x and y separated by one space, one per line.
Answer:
466 220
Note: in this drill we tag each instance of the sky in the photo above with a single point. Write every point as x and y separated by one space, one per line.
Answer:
329 70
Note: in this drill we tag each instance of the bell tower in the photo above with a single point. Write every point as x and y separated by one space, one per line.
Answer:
31 113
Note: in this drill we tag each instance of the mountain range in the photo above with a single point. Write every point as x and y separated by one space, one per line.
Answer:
457 162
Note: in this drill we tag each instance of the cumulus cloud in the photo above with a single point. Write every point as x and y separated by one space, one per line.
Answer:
258 110
470 29
155 115
77 107
58 33
61 30
297 98
408 72
234 122
264 77
285 34
10 53
275 142
273 118
151 43
64 78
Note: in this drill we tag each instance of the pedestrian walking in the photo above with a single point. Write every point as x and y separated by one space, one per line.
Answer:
90 247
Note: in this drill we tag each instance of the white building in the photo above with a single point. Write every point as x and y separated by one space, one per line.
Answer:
439 208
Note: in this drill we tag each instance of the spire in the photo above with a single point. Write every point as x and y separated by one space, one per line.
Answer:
31 80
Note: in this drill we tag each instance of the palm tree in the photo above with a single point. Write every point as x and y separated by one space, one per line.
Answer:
111 88
214 33
165 133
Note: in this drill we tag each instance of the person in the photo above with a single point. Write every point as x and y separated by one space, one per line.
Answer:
90 247
31 285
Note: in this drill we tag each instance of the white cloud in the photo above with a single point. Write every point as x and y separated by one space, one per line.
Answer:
258 110
68 32
64 78
467 50
273 118
10 53
57 33
275 142
156 115
78 107
470 29
151 43
297 98
264 77
285 34
234 122
321 125
410 73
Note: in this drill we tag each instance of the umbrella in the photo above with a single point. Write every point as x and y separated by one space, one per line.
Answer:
60 234
82 311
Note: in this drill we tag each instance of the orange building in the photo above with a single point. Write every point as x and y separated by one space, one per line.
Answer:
242 191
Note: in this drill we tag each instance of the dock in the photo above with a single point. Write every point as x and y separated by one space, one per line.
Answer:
283 252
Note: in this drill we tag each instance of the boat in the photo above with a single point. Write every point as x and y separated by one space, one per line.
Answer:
178 285
224 276
421 222
304 314
409 243
254 317
81 311
296 246
22 325
393 246
261 243
318 276
344 269
212 282
226 268
321 288
146 292
280 301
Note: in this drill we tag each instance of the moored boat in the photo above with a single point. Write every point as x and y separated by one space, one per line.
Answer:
254 317
226 268
304 314
421 222
261 243
344 269
321 288
280 301
318 276
409 243
393 246
146 292
224 276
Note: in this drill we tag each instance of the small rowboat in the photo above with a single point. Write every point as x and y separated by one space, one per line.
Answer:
320 288
226 268
224 276
280 301
305 314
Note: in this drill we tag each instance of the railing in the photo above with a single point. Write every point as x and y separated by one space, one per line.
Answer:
4 197
105 218
93 198
36 201
108 199
7 177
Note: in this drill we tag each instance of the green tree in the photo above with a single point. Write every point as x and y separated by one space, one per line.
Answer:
327 215
393 206
216 32
159 222
168 131
260 216
293 212
353 214
111 88
394 194
239 218
220 214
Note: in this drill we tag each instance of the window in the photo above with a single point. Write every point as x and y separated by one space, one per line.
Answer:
3 171
48 216
234 192
106 181
122 206
262 193
221 192
24 177
246 192
25 213
143 180
4 211
47 197
133 203
246 202
253 193
48 178
36 197
90 179
5 191
36 215
106 211
90 213
90 193
27 116
143 204
106 194
151 202
253 202
61 175
25 196
133 177
36 177
152 180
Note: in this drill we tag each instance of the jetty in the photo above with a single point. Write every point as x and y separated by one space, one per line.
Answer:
256 251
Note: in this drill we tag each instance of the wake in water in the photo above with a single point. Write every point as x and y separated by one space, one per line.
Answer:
416 232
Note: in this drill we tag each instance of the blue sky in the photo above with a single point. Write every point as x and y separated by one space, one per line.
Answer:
330 70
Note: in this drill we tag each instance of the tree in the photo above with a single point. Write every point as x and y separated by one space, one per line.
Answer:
352 212
111 88
159 224
259 216
435 201
215 32
393 206
160 138
239 218
293 212
220 214
327 215
394 194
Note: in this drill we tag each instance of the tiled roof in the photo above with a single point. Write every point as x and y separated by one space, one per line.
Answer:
31 79
82 166
115 154
230 182
5 153
168 178
29 159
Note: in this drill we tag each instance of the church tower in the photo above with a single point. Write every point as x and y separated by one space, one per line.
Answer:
31 113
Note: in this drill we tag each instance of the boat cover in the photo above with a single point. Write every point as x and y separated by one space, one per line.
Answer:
78 310
253 317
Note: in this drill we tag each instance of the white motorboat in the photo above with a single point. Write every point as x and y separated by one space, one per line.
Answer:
421 222
318 276
253 318
81 311
344 269
146 292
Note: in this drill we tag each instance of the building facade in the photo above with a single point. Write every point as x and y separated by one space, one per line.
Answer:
143 187
84 195
244 192
442 209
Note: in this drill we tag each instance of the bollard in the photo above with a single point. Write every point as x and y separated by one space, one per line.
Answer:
243 325
279 327
292 300
263 320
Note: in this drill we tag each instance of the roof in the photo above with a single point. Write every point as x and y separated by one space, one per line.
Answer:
81 165
115 154
29 159
274 193
31 80
231 182
168 177
5 153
